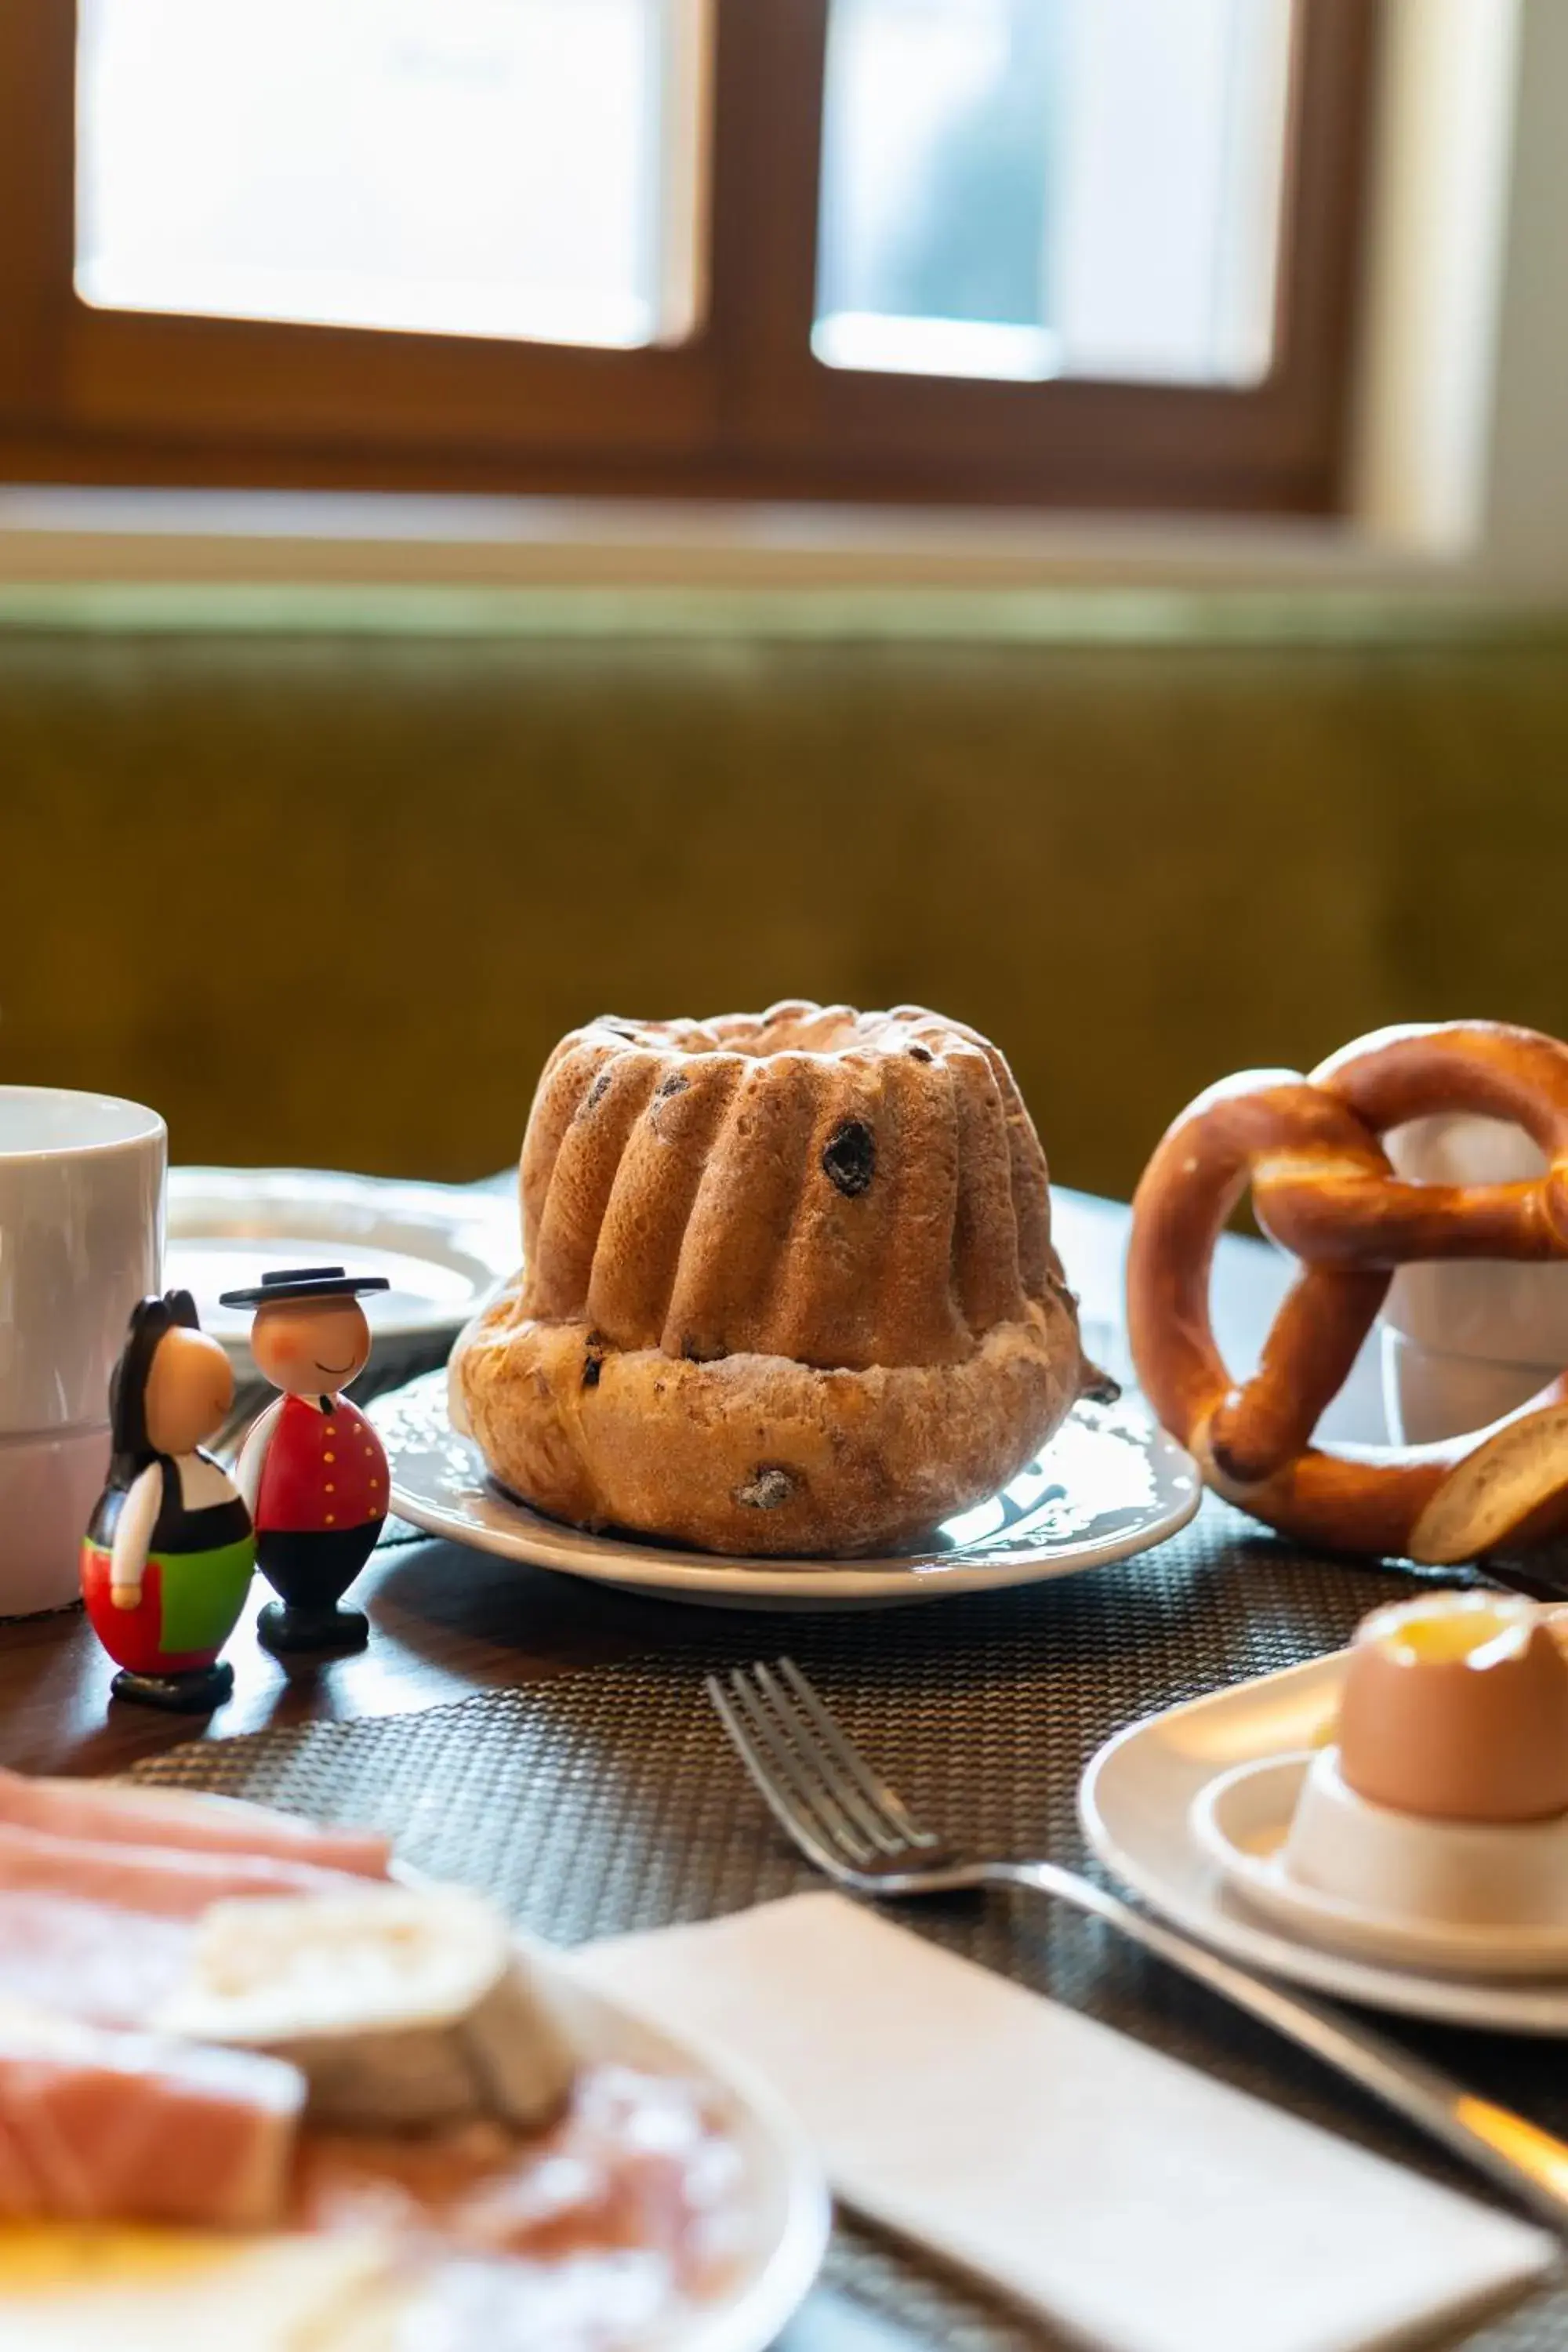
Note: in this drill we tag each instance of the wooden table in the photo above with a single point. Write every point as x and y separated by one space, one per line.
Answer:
446 1622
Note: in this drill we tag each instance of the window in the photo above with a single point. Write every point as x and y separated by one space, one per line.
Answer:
464 167
1034 188
1080 251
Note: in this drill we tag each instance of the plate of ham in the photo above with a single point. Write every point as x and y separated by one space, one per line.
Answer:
260 2088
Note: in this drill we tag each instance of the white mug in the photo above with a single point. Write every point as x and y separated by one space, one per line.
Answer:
81 1240
1468 1340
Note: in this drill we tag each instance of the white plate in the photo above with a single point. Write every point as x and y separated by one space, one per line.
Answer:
1135 1804
443 1247
1106 1486
786 2205
787 2199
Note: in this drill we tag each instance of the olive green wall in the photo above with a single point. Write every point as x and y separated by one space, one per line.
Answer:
331 898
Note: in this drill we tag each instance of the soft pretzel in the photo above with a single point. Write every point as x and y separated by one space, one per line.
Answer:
1323 1187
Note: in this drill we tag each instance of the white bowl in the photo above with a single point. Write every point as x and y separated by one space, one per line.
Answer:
1430 1393
1510 1313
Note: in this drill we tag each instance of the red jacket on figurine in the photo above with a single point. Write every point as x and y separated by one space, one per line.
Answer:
324 1467
311 1468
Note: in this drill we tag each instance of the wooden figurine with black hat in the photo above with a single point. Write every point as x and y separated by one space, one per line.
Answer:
168 1558
311 1468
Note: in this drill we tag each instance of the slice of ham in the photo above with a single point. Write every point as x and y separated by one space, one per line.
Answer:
90 1960
101 1886
168 1880
96 2126
110 1813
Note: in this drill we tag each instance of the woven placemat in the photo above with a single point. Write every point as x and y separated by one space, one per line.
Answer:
608 1799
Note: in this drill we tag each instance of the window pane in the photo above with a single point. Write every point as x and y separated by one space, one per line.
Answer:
1031 188
477 167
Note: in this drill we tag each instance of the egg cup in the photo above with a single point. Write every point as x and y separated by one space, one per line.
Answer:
1296 1842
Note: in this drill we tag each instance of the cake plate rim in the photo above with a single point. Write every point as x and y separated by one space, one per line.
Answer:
439 1484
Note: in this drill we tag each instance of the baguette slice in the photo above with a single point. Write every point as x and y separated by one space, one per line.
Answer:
402 2008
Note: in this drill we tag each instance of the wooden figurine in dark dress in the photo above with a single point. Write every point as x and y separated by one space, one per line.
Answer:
312 1469
168 1558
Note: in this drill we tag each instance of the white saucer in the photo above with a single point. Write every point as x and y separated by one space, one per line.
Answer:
1240 1821
1107 1485
1136 1801
443 1247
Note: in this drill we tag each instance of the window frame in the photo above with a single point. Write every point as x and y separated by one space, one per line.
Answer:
743 409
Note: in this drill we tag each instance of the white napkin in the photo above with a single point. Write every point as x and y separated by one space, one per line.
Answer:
1135 2201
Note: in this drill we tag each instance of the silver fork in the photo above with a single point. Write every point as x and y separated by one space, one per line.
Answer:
847 1819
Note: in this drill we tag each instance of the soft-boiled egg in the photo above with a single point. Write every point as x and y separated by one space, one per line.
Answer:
1455 1707
1429 1826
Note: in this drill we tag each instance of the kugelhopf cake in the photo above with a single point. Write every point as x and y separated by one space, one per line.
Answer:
787 1287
